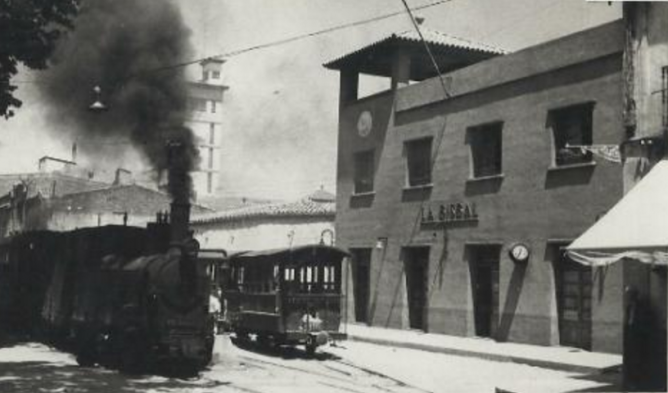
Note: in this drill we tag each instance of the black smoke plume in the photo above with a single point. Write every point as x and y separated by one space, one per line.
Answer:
129 49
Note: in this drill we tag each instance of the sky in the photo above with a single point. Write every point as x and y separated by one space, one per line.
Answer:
280 114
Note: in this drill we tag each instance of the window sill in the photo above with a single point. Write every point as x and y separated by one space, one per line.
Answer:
485 178
363 194
584 165
420 187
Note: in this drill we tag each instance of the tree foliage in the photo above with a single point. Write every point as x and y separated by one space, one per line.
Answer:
29 30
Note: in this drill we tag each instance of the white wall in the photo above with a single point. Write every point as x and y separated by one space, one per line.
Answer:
67 221
254 235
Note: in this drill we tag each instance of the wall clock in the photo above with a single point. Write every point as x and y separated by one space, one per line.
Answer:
519 252
364 124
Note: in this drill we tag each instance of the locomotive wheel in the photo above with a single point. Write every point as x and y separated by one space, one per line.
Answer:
86 351
85 359
133 356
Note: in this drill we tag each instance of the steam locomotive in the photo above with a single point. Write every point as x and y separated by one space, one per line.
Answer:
119 296
123 297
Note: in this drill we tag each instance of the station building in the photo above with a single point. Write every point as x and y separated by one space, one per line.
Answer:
457 194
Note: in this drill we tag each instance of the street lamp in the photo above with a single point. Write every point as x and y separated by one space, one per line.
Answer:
97 106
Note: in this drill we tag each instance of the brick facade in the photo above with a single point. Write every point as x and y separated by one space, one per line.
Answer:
532 201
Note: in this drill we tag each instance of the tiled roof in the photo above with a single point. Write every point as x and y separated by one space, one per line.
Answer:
322 196
302 208
432 37
450 53
220 203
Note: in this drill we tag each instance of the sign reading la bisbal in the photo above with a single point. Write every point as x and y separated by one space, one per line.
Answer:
438 213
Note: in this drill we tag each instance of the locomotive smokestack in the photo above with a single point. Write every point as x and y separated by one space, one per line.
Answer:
179 186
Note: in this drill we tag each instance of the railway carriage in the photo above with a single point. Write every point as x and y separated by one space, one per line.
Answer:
288 296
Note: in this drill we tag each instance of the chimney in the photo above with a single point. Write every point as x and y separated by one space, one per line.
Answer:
74 152
180 191
123 177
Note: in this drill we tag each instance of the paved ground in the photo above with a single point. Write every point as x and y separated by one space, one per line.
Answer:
353 367
554 357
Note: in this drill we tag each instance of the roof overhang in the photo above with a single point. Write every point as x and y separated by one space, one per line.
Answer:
449 53
311 250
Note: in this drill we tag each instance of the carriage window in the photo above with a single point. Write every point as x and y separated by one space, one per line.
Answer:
240 278
289 274
329 279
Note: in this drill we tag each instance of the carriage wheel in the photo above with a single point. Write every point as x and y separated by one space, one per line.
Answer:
263 340
310 346
242 335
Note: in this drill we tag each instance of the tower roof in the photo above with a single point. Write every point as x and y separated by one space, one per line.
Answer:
449 52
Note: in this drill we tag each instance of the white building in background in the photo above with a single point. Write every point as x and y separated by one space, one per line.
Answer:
275 225
206 101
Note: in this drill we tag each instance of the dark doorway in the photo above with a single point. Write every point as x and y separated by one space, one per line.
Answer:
485 282
644 327
361 268
574 290
417 267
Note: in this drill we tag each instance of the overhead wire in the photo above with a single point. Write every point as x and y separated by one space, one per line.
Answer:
290 40
279 42
440 135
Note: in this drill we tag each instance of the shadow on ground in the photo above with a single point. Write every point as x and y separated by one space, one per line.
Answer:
611 381
283 351
58 377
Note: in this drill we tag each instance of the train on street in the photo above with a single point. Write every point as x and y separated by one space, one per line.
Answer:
119 296
290 296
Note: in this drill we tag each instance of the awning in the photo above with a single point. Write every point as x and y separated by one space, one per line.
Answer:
636 227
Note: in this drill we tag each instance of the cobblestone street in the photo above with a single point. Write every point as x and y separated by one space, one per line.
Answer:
349 367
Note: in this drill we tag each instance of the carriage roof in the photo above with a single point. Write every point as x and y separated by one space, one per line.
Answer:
291 253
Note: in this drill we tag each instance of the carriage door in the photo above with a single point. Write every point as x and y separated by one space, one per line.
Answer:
361 263
485 282
417 265
574 287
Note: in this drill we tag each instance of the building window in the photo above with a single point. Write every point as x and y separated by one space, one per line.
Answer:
485 144
198 104
364 171
210 158
209 183
418 160
205 75
664 95
213 106
212 134
215 75
572 126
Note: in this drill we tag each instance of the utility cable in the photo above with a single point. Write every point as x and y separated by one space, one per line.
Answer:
274 43
439 140
441 133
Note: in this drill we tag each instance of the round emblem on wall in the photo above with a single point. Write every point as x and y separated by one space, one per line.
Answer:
364 124
519 252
